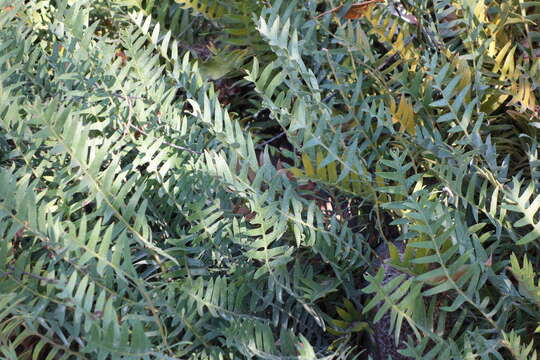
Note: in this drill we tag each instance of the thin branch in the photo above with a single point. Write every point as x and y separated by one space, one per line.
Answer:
270 140
41 278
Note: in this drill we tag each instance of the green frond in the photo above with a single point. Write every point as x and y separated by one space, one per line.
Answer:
520 351
526 277
206 179
527 204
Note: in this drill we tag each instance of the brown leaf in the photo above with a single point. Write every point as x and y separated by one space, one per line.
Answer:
282 170
120 54
359 9
489 261
356 11
436 280
244 211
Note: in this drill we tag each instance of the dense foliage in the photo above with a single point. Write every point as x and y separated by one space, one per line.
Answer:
210 179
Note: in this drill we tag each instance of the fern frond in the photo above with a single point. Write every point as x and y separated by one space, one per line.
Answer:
519 200
526 278
519 351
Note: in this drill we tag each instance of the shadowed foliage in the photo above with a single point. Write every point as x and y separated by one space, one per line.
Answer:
202 179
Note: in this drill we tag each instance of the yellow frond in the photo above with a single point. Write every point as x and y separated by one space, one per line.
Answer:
208 8
321 171
332 172
480 11
404 115
523 95
308 165
464 70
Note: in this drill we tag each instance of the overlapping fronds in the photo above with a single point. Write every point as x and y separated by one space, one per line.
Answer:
373 190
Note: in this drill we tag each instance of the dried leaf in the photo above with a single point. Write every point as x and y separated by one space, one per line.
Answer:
122 55
436 280
358 10
244 212
489 261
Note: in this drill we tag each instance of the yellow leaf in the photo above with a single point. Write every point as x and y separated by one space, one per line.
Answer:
379 180
211 11
523 95
480 11
308 165
296 172
492 49
321 171
500 56
404 115
346 182
392 106
493 100
504 62
464 70
356 185
394 253
332 172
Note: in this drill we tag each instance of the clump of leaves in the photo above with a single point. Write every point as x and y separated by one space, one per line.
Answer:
140 218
